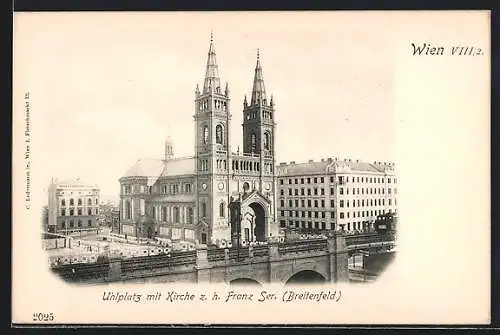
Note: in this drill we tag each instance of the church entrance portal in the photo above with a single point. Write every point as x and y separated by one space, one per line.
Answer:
247 223
259 229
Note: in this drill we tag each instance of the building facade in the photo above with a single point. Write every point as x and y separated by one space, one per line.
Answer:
189 198
335 194
73 206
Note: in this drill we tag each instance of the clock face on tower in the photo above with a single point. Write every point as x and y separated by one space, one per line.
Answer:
221 186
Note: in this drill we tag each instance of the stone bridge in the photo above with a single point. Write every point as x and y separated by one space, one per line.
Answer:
320 260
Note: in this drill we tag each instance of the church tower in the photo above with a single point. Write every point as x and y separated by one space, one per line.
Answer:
258 123
212 150
169 149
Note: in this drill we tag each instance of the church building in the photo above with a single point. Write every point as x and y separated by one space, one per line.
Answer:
210 196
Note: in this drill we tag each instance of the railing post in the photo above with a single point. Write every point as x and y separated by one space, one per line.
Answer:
202 265
338 256
115 268
273 250
274 255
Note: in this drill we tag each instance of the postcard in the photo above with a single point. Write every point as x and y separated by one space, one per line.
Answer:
299 168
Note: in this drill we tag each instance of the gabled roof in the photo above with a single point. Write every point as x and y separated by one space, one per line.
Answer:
146 168
179 166
325 166
358 166
302 168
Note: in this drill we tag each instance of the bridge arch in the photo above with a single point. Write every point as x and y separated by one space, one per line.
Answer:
244 282
306 277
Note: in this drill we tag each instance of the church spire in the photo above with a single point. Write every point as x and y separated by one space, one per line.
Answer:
212 80
259 90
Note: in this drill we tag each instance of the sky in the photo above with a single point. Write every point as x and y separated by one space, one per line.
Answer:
108 88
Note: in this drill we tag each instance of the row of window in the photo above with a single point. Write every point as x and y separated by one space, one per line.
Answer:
308 179
341 180
245 166
367 190
219 134
342 215
80 202
173 188
354 191
369 202
160 213
304 224
361 214
71 224
265 114
207 105
322 214
79 212
321 203
378 180
304 214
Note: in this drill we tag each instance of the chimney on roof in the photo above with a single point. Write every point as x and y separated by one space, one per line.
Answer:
292 162
310 161
322 160
283 163
357 160
329 160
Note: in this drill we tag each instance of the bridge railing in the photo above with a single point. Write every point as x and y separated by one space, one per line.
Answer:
78 272
367 238
158 261
214 255
301 246
260 251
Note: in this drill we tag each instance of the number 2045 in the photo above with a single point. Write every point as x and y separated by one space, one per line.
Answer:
43 317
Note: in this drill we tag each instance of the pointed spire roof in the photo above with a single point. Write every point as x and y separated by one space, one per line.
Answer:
259 89
212 80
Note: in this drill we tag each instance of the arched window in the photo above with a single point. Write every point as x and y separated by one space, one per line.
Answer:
79 223
71 202
267 141
127 210
79 202
89 211
253 142
222 210
63 202
89 223
190 215
163 213
71 223
89 202
246 187
218 134
63 224
203 209
176 214
205 134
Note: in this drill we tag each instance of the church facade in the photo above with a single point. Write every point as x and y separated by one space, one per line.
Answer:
211 196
